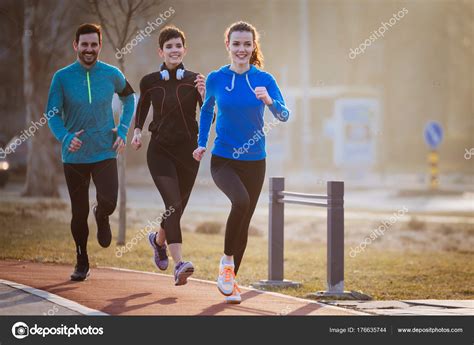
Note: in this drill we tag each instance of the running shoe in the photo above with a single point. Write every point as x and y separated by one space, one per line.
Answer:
161 257
225 280
81 272
235 298
104 234
182 271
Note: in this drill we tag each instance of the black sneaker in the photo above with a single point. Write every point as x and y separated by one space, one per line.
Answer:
104 234
81 272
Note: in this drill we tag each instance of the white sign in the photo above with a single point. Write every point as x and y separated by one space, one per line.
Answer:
355 131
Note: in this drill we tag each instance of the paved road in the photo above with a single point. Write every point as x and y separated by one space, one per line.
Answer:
123 292
44 289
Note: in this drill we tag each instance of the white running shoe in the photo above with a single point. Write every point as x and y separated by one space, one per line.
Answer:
235 297
225 280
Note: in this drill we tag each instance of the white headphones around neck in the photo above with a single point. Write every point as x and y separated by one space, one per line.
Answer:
165 75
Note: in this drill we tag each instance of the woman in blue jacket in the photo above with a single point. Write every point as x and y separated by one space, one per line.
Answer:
241 90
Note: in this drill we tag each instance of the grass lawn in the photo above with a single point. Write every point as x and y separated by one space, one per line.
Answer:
27 234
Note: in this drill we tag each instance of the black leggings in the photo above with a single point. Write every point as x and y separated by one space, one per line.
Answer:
242 182
104 175
174 171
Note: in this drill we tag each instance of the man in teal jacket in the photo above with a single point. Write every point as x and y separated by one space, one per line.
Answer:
81 99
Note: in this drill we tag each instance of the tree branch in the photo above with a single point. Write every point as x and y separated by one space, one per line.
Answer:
115 26
121 6
138 5
58 28
104 23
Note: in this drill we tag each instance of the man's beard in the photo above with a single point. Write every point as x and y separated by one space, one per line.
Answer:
87 62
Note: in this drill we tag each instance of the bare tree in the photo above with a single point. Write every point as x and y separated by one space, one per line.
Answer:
43 36
118 20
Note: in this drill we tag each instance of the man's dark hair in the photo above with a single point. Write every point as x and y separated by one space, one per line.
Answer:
89 28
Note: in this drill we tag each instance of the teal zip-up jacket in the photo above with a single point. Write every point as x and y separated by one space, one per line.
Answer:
81 98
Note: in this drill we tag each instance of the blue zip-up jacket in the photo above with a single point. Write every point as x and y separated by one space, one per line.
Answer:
81 98
239 121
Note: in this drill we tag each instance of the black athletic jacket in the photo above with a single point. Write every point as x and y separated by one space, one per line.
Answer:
174 107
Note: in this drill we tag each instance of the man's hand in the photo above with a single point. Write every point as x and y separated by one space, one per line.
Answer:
262 94
200 82
137 138
119 144
199 153
76 143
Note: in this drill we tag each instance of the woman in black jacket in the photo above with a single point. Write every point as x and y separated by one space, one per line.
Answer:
174 93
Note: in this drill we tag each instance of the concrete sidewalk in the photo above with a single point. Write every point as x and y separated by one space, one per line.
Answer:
46 288
16 301
411 307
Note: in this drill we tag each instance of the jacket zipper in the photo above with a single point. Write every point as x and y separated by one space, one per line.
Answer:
89 87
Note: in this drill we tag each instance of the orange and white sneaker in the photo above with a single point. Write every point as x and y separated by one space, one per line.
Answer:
235 297
225 280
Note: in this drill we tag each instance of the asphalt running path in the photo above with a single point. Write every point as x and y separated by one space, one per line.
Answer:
126 292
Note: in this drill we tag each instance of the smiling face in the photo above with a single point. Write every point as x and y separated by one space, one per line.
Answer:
240 47
88 48
173 52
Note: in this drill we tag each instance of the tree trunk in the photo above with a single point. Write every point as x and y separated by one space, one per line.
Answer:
41 177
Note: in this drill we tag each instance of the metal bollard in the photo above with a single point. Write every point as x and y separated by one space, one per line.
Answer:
276 221
335 236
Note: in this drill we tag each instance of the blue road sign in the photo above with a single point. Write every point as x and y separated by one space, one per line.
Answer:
433 134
